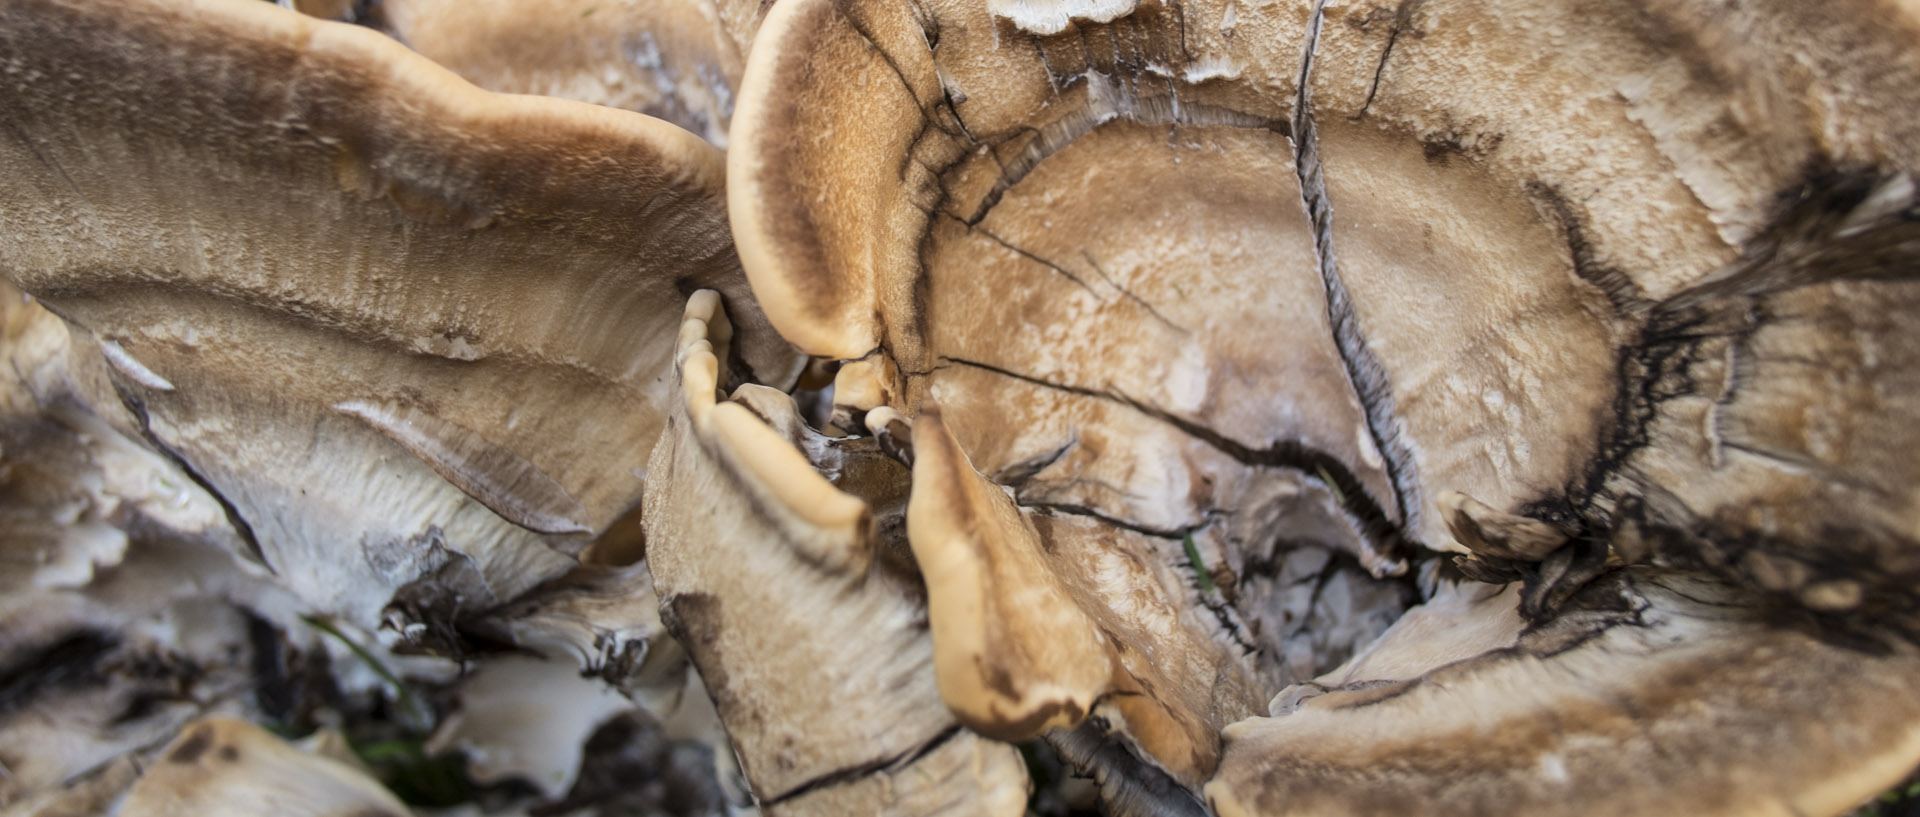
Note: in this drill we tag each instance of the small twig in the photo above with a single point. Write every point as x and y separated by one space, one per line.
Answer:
1199 565
414 713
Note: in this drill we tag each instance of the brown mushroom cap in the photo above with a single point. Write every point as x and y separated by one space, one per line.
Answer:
1483 277
1477 270
1118 361
1567 287
222 766
1038 622
1114 365
678 61
1653 693
373 307
1723 198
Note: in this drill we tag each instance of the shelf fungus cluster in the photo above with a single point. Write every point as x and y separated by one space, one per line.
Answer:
1307 407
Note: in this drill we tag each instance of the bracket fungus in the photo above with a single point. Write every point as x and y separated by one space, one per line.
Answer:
1391 281
404 328
1332 407
123 615
785 585
677 60
222 766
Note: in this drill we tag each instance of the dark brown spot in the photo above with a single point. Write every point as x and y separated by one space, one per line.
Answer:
1024 728
230 754
1442 149
190 750
997 678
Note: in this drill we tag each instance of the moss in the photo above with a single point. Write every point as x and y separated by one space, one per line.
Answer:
1900 801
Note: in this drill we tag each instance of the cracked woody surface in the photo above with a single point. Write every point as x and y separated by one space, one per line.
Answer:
1324 408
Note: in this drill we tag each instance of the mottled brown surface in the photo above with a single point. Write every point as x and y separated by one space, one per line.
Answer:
678 61
1628 275
1652 694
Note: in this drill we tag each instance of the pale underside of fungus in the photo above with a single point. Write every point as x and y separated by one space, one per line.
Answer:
1315 407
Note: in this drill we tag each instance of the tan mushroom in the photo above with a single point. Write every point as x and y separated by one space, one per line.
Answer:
679 61
1651 693
222 766
793 597
1722 199
1387 280
95 793
1040 621
1076 352
408 331
1604 307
